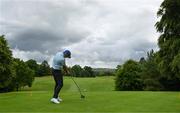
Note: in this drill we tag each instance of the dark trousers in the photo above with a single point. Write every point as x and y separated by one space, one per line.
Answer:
58 78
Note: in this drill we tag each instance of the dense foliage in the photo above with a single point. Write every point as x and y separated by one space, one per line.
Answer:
169 44
40 70
14 73
24 75
128 77
32 64
44 69
6 65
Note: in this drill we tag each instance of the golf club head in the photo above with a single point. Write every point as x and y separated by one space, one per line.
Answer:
82 96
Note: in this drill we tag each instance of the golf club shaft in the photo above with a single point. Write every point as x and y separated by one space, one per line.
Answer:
72 73
76 85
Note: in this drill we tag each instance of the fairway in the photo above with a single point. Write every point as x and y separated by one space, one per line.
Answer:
100 97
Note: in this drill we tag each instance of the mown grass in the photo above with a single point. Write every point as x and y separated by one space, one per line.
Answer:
100 97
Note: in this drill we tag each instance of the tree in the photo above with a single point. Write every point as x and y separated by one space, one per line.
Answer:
84 73
44 69
24 75
169 43
118 67
33 65
6 65
128 77
176 65
150 73
77 71
142 60
89 71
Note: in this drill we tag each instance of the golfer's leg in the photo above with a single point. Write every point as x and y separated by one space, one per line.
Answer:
59 81
55 76
53 72
55 86
59 86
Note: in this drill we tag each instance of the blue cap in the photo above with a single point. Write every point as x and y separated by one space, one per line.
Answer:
67 53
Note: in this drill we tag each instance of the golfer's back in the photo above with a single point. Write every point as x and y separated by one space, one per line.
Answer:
58 61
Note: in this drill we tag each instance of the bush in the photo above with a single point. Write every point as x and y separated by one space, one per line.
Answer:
128 77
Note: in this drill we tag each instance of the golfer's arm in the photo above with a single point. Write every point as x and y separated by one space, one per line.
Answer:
65 68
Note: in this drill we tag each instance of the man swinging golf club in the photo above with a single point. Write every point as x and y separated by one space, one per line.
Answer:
58 66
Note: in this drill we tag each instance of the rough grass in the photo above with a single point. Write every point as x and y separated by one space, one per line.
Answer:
100 97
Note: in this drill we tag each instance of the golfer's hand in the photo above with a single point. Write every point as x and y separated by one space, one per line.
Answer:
67 72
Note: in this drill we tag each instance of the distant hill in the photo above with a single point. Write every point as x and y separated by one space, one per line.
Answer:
104 70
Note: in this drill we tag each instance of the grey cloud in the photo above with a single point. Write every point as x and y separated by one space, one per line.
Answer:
34 39
99 32
41 25
26 55
43 40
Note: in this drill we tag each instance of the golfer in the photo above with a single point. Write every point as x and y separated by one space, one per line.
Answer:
58 66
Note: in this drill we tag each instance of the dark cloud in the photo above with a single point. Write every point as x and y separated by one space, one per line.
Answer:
43 40
40 25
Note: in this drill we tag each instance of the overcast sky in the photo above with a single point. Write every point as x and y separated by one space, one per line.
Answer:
99 33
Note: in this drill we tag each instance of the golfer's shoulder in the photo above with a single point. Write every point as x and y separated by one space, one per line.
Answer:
59 55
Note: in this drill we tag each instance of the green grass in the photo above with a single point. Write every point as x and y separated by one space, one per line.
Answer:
100 97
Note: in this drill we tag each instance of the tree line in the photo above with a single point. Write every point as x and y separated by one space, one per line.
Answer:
88 71
161 69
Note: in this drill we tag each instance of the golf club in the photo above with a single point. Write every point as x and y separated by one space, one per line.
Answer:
82 96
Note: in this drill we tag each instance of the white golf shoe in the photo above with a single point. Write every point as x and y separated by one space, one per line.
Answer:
59 99
54 100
